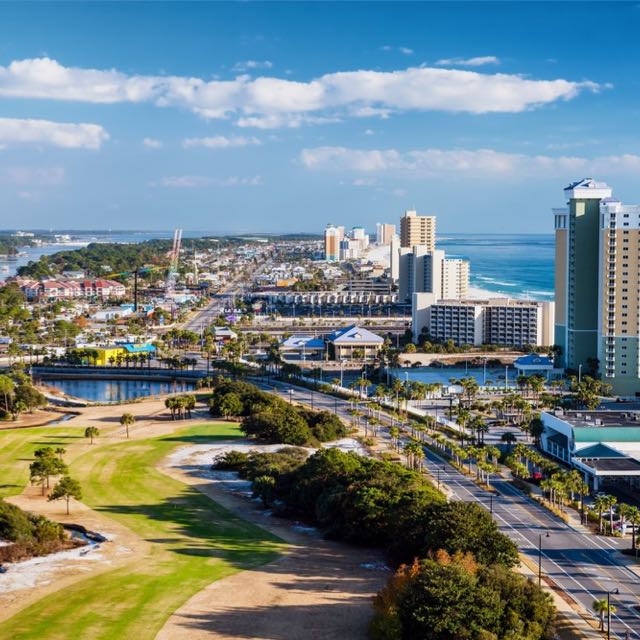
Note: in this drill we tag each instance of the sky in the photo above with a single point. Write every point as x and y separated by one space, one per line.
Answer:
283 117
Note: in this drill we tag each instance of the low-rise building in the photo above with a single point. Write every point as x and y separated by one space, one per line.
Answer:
603 445
353 343
68 289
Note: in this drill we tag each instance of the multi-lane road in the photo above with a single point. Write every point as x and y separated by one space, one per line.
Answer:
583 565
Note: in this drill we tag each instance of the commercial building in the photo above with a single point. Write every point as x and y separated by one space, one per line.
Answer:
603 445
353 343
597 285
332 237
417 230
350 343
421 270
498 321
384 233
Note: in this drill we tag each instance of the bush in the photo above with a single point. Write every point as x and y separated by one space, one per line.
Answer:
491 603
32 535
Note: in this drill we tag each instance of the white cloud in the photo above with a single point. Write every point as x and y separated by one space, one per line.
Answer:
369 132
249 65
220 142
34 176
15 131
152 143
462 162
191 182
269 102
478 61
405 50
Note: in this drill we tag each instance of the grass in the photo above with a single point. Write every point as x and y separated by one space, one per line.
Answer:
192 542
17 447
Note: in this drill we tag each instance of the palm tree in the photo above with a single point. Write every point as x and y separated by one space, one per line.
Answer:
91 432
611 501
600 504
633 516
602 607
509 438
394 432
127 420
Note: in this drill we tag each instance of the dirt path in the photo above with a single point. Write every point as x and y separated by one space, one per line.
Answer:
317 589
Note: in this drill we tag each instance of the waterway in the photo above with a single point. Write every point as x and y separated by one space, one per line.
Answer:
117 390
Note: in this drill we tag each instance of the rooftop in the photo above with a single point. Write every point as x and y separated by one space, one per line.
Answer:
599 418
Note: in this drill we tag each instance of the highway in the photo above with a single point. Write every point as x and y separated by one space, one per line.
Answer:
583 565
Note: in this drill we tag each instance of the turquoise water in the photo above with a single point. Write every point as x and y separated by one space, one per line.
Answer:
117 390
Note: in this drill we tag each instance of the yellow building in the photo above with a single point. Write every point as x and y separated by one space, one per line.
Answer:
105 353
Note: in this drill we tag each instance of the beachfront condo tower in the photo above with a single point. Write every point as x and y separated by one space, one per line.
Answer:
597 279
417 230
332 238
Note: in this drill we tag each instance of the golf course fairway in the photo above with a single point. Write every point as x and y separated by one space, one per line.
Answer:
192 540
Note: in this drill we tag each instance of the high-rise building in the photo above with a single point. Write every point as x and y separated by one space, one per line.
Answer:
424 271
417 230
384 233
455 278
420 271
394 257
332 237
597 284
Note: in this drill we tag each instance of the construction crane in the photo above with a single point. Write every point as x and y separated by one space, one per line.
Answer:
173 262
136 272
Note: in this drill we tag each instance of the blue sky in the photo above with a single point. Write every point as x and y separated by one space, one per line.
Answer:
283 117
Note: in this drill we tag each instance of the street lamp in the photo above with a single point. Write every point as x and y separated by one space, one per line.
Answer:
491 503
546 535
616 591
443 468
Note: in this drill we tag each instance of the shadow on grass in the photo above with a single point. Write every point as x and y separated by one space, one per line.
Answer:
197 526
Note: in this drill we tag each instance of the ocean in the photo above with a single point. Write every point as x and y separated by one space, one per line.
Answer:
517 266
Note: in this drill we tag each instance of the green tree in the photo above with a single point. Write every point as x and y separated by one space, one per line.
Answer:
91 432
127 420
230 405
602 608
66 489
47 463
6 389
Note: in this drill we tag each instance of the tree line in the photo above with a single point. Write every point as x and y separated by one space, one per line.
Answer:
269 418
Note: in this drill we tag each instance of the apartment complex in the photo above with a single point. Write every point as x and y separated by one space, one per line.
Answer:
417 230
499 321
384 233
70 289
597 280
421 270
332 237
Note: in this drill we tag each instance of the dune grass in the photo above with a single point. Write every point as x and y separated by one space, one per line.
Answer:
192 542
